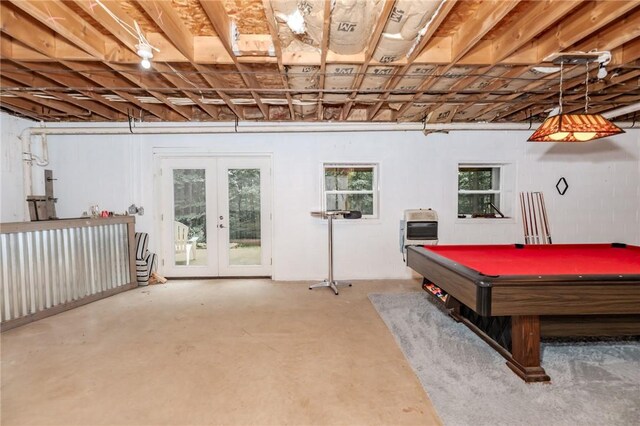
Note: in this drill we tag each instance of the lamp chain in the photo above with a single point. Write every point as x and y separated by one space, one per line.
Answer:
586 92
561 76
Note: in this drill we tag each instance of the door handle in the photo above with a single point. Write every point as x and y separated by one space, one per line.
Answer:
221 226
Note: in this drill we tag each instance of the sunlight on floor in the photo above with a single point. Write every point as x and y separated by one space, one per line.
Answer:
238 255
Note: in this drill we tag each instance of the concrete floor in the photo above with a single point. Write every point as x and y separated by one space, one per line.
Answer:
251 352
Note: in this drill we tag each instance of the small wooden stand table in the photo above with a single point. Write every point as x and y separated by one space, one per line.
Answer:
330 282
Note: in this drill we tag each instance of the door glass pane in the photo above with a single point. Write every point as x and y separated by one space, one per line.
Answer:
244 217
190 217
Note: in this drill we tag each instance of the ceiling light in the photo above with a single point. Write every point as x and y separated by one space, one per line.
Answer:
602 72
574 127
145 52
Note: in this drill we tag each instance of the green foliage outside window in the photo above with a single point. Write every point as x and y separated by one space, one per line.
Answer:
189 192
189 188
244 205
349 188
478 188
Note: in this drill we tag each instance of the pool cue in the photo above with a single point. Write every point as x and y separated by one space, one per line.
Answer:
543 233
524 219
529 221
546 221
535 222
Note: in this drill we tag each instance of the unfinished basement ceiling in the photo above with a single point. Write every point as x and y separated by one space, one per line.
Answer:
313 60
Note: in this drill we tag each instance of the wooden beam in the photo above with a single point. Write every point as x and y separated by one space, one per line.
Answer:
271 23
572 77
30 80
466 37
108 22
49 103
613 38
61 19
538 17
67 80
217 15
471 32
178 82
163 14
442 12
601 85
6 44
131 42
17 24
324 51
368 53
220 21
106 82
625 30
137 80
629 52
497 83
592 17
430 81
461 85
214 82
251 81
23 107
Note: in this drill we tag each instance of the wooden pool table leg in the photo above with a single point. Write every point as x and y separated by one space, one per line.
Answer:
525 348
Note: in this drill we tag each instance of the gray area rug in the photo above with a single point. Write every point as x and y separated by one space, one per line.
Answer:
469 383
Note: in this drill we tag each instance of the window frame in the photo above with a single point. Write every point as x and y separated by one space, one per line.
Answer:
500 192
375 191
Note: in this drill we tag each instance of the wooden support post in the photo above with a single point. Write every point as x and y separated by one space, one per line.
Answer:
525 348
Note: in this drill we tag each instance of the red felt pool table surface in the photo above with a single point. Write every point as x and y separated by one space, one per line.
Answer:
556 259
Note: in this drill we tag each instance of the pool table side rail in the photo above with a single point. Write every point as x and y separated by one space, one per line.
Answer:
528 294
464 284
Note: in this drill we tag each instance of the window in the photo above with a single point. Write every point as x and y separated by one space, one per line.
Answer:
479 190
351 187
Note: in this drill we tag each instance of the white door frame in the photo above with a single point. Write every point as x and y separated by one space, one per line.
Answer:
165 238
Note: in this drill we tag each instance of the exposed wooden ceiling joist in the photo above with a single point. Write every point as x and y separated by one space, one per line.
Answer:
218 17
34 80
66 80
59 18
271 23
163 14
84 60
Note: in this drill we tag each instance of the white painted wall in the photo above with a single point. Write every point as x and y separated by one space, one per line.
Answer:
12 200
601 205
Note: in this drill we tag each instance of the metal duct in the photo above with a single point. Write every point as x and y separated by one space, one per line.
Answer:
287 127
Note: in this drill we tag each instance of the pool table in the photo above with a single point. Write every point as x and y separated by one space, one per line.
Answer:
512 295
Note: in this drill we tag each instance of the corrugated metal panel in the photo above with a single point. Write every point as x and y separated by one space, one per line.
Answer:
43 269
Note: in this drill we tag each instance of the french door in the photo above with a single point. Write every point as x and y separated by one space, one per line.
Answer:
216 216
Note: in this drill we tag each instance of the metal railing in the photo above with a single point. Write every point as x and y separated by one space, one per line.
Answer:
51 266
